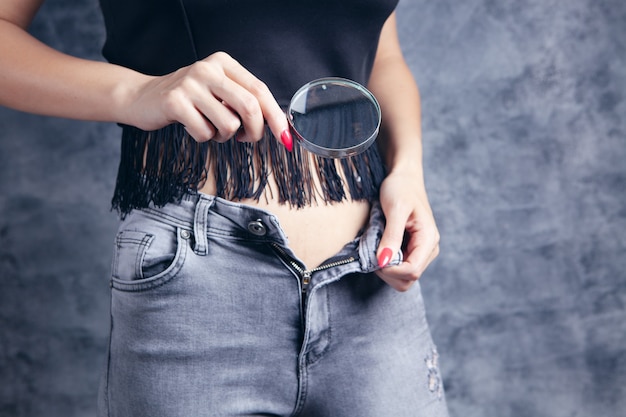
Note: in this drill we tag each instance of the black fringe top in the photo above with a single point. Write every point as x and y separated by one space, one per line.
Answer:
161 166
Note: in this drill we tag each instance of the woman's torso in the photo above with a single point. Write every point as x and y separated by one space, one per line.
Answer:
285 44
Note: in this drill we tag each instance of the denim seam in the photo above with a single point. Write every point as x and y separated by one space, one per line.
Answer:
200 226
106 394
141 254
302 381
313 359
221 232
241 238
115 260
302 366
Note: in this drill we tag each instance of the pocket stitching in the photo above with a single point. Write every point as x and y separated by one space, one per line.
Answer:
141 254
160 279
127 237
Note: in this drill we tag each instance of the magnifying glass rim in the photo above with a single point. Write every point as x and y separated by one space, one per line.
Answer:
335 152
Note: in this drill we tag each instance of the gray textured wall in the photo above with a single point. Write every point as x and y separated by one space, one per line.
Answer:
525 139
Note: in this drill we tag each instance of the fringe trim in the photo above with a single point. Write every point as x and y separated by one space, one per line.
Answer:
161 166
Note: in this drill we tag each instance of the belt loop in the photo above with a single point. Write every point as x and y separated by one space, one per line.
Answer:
200 225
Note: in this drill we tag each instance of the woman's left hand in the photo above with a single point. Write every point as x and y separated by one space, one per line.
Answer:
410 227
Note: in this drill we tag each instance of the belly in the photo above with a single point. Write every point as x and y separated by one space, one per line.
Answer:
316 232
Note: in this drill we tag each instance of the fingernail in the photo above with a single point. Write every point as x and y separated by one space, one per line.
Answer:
286 139
384 257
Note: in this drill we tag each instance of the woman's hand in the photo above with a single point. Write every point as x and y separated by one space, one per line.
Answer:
410 227
215 99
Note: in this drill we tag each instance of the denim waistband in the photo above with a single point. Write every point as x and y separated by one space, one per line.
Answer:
201 214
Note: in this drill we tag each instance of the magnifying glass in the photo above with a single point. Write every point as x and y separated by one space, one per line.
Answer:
334 117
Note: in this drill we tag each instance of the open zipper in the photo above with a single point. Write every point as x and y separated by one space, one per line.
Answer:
305 274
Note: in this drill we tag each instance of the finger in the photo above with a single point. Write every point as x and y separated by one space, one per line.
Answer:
422 248
409 270
397 283
223 118
245 105
405 271
204 116
201 130
222 100
270 109
391 240
183 111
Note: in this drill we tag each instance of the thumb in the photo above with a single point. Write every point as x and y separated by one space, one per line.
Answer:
391 240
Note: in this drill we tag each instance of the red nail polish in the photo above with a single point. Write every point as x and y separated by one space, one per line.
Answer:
384 257
286 139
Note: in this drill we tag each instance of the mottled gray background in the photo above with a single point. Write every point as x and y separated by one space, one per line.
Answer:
525 140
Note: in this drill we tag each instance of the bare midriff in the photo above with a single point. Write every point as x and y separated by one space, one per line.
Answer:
317 231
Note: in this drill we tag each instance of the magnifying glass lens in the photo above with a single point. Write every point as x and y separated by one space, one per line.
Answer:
334 117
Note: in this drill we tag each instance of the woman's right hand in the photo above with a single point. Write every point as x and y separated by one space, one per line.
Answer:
215 99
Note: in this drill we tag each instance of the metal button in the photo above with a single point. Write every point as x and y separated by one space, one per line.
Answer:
257 228
185 234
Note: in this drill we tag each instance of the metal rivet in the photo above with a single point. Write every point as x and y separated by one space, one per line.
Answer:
185 234
256 227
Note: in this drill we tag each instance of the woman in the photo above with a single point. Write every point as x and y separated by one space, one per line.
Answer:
244 279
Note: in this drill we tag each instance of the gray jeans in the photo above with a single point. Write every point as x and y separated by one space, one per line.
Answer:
213 315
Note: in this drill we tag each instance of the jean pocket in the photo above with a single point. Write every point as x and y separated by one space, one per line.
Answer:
144 259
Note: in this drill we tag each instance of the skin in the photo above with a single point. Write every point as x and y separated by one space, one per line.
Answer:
216 96
410 222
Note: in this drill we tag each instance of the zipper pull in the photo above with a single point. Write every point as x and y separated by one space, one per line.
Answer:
306 280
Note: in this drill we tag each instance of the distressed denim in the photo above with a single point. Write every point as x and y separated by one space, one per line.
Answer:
212 314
